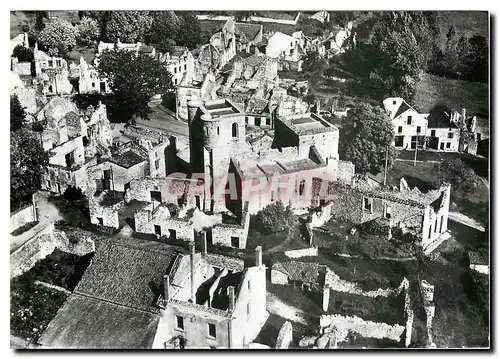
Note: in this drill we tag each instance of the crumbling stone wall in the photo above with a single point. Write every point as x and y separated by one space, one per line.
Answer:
39 247
284 336
23 216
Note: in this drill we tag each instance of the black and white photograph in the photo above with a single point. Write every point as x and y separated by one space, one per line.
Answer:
261 179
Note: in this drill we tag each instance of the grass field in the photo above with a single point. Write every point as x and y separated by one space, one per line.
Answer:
457 94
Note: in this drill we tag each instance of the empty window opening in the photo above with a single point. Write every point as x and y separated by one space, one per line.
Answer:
302 186
211 330
367 204
235 130
179 321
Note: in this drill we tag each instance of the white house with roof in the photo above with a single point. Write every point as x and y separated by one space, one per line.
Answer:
280 45
408 123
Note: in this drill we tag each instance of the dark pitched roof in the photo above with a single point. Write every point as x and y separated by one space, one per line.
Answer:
127 274
249 30
439 117
127 159
404 106
88 323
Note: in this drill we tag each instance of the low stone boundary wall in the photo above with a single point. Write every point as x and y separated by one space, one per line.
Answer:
284 336
22 217
39 247
367 329
298 253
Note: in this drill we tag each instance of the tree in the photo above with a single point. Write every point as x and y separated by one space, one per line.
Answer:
23 53
273 218
128 26
27 164
399 51
399 42
477 59
164 30
134 79
364 136
189 33
89 30
17 114
59 36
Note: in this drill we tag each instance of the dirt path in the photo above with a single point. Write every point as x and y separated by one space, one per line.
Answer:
465 220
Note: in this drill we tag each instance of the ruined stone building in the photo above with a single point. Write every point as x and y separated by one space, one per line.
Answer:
424 215
178 62
304 146
89 80
74 140
220 49
194 87
248 36
212 302
288 49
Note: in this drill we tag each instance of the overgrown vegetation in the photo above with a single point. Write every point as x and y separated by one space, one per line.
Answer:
365 135
134 79
273 219
32 307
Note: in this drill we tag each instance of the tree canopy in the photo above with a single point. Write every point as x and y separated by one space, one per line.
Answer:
17 114
89 30
58 37
273 218
189 33
22 53
392 63
27 163
364 136
128 26
134 79
164 30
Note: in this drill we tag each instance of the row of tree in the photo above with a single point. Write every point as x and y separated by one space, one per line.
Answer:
28 160
462 57
162 28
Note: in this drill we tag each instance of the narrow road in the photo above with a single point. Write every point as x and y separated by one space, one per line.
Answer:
47 212
162 121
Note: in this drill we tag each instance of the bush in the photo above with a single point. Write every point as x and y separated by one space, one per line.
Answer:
374 227
73 194
22 53
273 218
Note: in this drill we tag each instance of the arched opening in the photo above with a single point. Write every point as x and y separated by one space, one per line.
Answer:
302 186
235 130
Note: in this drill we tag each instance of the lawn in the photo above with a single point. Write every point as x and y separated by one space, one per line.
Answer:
457 94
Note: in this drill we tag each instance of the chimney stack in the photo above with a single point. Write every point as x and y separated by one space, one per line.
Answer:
230 294
166 285
191 255
258 256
